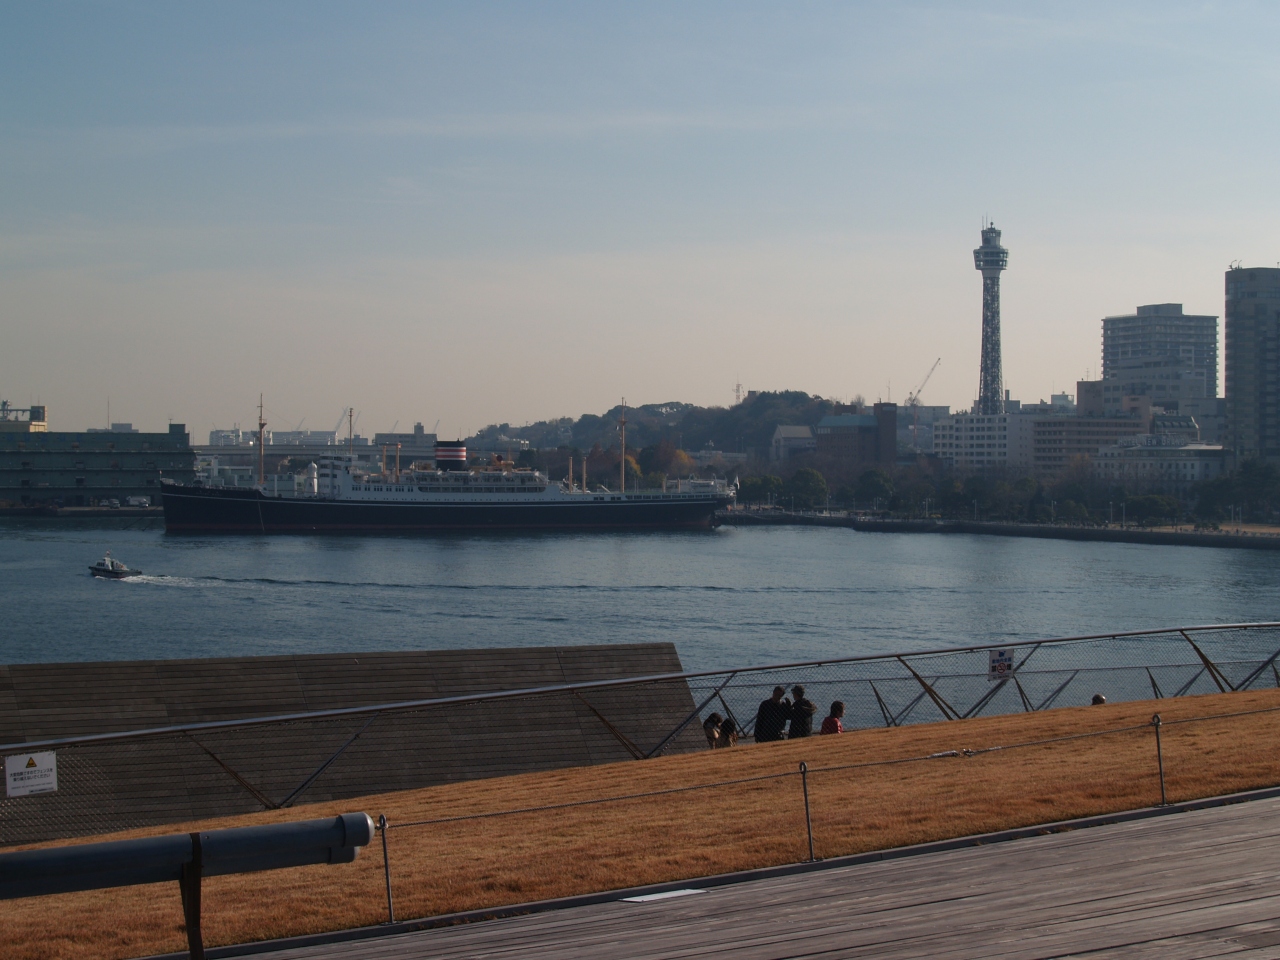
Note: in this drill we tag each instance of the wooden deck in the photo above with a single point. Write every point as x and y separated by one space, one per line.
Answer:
1189 885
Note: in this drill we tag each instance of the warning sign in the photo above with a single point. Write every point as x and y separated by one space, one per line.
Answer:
29 773
1000 666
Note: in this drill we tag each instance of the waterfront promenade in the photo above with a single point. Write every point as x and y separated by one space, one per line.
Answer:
1194 884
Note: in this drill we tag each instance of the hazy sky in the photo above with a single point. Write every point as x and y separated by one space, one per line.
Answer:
506 212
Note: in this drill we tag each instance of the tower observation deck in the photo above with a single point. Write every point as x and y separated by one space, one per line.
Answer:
991 259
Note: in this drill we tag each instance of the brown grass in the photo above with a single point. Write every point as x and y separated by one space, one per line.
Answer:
510 859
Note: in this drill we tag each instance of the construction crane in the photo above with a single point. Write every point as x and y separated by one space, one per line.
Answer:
913 401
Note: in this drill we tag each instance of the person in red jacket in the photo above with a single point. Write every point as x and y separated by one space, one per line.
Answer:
832 724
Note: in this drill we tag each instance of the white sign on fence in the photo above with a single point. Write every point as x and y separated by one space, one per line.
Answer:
29 773
1000 666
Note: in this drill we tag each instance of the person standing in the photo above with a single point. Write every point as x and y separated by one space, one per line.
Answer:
802 712
772 717
832 724
728 733
711 727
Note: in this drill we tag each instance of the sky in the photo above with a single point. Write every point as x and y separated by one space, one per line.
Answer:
505 212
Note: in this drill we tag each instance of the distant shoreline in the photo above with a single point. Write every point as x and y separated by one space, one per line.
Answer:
81 513
1042 531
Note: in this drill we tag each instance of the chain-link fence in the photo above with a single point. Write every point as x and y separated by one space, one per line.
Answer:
129 778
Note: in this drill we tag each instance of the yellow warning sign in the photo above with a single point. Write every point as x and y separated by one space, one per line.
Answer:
31 762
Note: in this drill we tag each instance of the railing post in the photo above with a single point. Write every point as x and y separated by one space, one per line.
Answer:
386 867
1155 722
808 821
189 882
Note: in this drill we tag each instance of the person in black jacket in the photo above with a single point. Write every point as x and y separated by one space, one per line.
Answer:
772 717
802 712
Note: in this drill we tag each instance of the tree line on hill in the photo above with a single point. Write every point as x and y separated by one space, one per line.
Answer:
1251 493
743 428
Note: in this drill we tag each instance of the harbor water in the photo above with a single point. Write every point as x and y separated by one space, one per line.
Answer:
728 597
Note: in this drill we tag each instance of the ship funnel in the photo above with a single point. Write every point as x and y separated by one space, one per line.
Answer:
451 455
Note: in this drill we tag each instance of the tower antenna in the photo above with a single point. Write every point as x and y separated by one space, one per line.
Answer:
991 259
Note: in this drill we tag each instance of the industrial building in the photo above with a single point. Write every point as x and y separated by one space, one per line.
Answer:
1253 362
416 447
40 467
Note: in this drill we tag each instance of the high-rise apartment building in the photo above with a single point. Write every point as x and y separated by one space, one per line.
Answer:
1253 362
1161 352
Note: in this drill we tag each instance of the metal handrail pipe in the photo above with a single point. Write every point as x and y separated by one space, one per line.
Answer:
120 863
407 705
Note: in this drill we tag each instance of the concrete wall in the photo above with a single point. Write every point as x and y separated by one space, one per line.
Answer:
175 778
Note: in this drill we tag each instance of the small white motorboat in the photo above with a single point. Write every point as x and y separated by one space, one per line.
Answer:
112 569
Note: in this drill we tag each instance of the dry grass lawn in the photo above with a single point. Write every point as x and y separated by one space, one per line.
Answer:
484 863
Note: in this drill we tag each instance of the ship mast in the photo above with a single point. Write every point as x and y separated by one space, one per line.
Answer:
262 424
622 467
350 431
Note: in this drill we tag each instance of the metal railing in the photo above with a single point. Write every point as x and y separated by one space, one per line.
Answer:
106 780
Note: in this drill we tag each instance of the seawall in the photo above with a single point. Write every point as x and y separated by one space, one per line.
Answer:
1042 531
214 772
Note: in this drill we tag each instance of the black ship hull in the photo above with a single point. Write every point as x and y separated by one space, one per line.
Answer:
206 510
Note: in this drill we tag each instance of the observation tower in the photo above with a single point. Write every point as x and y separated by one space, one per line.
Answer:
991 259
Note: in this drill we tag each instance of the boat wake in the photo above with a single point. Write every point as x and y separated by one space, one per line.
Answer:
163 581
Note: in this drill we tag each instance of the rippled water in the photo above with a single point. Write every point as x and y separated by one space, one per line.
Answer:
727 597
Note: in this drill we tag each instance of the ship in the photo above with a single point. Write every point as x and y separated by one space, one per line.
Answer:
341 495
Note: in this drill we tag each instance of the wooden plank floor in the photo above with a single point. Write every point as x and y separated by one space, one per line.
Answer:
1190 885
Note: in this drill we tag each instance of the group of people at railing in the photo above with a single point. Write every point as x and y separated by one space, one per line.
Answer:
778 718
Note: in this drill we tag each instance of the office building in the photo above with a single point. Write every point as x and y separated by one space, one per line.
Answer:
976 441
1152 463
1058 442
853 437
1253 362
1041 440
